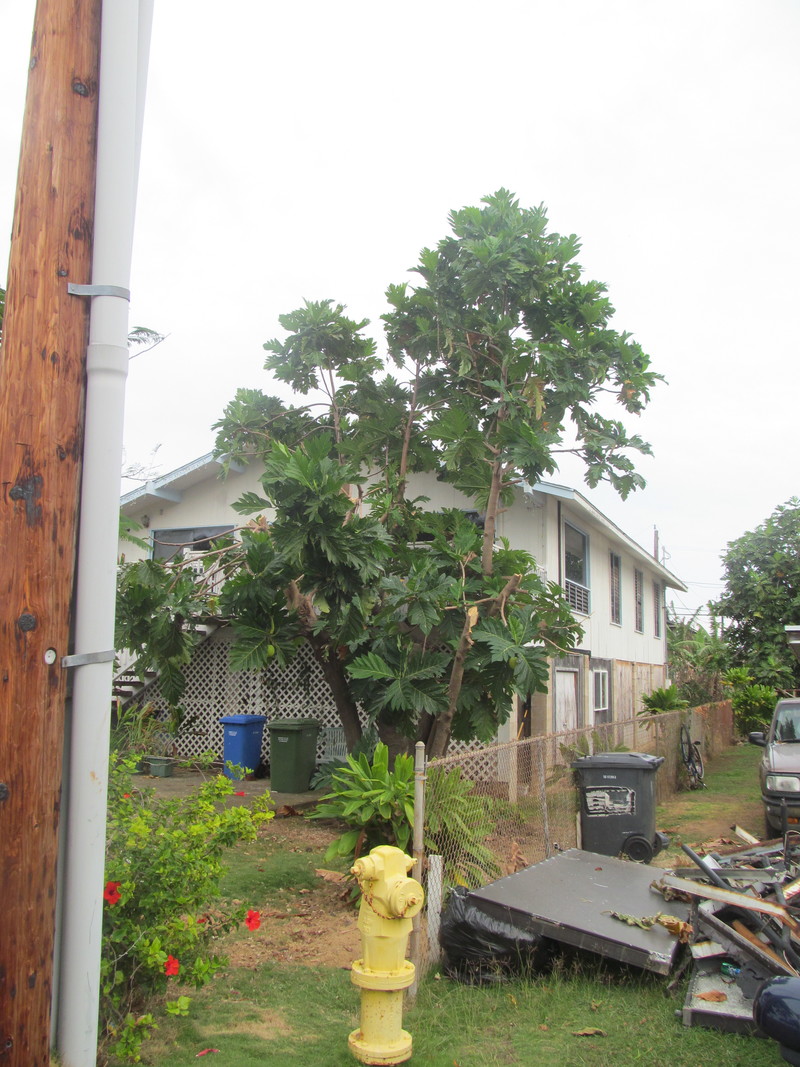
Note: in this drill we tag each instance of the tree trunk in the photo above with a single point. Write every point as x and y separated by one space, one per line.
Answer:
490 523
425 725
404 452
41 429
397 743
340 690
439 737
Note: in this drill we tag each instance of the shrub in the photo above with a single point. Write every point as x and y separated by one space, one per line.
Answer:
163 871
457 824
661 700
600 741
375 802
753 706
136 730
322 777
737 676
378 805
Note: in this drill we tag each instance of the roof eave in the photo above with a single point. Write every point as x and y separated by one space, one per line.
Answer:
563 492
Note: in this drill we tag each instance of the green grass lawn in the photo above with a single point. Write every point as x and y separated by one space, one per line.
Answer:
295 1015
732 797
283 1013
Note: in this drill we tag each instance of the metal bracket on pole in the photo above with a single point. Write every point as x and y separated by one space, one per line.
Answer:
98 290
87 657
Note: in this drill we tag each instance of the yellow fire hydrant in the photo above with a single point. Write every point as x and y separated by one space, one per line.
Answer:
389 901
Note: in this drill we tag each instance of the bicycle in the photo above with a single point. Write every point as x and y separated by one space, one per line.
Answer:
692 759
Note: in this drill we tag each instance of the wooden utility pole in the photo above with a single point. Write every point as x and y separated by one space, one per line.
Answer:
42 376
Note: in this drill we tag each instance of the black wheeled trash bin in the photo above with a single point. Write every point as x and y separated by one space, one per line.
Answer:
618 804
241 742
292 754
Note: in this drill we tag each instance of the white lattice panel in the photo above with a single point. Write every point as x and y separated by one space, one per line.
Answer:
214 690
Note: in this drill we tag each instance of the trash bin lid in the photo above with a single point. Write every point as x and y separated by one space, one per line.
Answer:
243 718
293 724
642 761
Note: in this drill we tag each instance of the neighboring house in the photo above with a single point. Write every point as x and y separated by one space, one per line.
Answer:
615 588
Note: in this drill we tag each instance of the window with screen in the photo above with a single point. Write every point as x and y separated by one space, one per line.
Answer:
638 598
616 588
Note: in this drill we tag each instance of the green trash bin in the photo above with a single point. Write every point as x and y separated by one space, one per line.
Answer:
292 754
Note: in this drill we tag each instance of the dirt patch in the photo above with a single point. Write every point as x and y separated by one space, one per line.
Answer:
316 927
295 833
321 932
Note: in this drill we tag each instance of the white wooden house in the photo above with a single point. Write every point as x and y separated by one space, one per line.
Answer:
615 588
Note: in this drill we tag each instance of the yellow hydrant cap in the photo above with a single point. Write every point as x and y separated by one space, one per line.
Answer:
406 898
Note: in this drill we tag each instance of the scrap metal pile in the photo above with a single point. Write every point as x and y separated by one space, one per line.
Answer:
733 918
745 918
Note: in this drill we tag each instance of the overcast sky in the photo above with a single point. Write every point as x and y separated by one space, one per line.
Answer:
310 150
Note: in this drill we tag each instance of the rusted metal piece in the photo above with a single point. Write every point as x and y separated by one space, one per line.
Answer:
749 875
750 949
734 899
791 890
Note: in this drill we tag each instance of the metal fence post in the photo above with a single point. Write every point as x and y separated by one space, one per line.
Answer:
433 901
542 781
419 854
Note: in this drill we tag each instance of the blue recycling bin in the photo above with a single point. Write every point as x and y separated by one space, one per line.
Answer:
242 741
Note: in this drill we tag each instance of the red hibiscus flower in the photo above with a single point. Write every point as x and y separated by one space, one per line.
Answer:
253 920
111 893
171 967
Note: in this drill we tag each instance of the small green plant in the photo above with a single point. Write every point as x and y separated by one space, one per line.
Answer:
575 750
584 746
661 700
136 730
753 706
141 730
128 1035
378 805
457 824
163 870
375 802
323 776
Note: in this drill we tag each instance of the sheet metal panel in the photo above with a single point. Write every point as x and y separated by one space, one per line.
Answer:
569 898
734 1014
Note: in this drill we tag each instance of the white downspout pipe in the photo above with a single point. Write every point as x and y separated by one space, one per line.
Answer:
124 45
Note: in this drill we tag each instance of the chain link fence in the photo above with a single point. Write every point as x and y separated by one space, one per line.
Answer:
495 811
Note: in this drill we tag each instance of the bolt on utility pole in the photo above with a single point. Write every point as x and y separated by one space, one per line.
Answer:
42 378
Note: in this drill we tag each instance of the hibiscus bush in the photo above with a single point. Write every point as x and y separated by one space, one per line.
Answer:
162 912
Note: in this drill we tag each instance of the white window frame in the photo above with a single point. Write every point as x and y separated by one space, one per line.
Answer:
578 593
600 680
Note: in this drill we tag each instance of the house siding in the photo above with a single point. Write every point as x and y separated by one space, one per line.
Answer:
206 503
